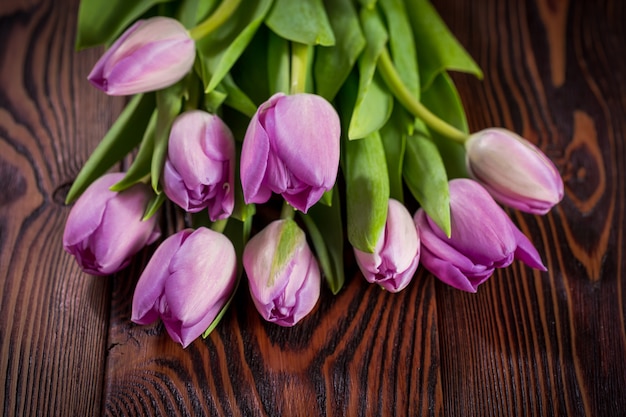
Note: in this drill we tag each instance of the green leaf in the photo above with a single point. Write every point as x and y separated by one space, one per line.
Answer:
219 52
401 44
443 100
101 21
438 49
301 21
121 138
368 115
140 168
154 205
169 102
236 98
278 63
334 63
394 135
326 231
367 191
425 176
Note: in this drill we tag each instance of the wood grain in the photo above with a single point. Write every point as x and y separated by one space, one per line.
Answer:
527 344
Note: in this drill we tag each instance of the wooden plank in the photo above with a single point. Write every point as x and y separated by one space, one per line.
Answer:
53 318
547 343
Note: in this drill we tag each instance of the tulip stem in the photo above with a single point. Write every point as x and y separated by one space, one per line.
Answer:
219 225
215 20
287 212
299 67
417 109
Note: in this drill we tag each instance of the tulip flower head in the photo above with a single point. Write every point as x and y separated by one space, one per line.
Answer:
483 238
187 282
105 229
283 275
397 251
152 54
200 165
291 148
514 171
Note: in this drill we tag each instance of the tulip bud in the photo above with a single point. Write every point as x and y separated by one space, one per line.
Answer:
397 251
150 55
105 229
283 275
291 148
514 171
200 165
483 238
187 282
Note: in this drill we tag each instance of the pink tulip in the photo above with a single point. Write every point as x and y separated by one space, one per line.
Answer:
150 55
200 165
397 251
105 229
514 171
291 148
483 238
283 275
187 282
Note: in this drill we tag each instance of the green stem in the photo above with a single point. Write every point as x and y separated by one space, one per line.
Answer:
219 225
417 109
215 20
287 212
299 67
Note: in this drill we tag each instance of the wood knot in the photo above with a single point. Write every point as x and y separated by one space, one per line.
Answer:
12 183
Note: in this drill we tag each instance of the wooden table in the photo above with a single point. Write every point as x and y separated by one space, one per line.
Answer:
528 343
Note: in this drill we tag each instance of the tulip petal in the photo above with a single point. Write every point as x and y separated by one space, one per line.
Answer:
151 285
254 155
526 251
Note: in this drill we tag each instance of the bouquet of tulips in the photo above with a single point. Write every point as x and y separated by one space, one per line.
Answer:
342 111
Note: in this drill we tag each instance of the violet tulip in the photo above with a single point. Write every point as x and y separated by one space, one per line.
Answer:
199 169
186 283
397 251
152 54
483 238
105 229
514 171
283 275
291 148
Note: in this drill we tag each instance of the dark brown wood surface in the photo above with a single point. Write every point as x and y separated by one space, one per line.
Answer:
528 343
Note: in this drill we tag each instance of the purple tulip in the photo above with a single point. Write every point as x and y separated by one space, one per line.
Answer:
397 251
283 275
150 55
105 229
199 169
291 148
483 238
514 171
187 282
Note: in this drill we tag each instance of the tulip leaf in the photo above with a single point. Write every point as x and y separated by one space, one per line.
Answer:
367 191
236 98
121 138
154 205
426 178
394 135
334 63
401 44
443 100
101 21
278 64
169 102
372 110
140 168
373 102
301 21
219 52
438 49
326 231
